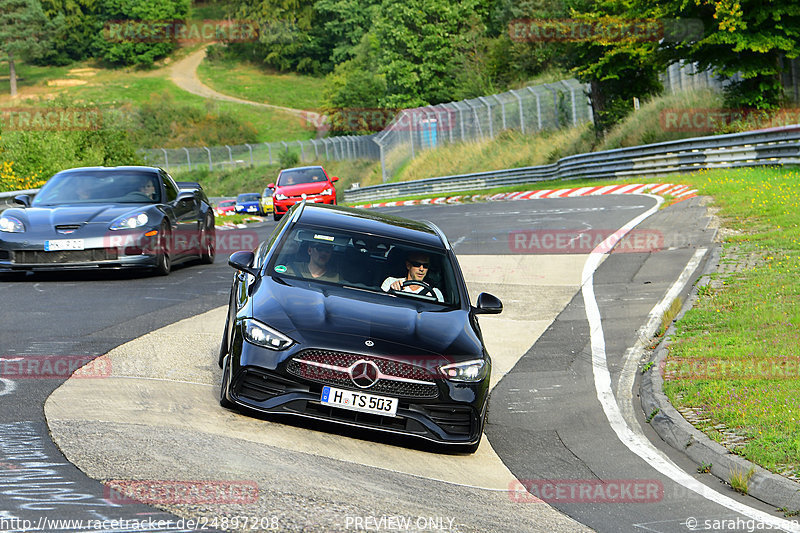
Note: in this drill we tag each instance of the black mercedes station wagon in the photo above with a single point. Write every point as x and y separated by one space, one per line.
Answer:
361 319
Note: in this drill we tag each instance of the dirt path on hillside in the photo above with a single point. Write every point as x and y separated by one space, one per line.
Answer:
184 74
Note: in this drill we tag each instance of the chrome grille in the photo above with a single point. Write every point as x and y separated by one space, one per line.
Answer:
396 378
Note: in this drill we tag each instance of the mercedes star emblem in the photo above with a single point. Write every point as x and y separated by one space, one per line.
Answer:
364 374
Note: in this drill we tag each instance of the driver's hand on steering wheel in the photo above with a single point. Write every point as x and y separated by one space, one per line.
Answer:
397 285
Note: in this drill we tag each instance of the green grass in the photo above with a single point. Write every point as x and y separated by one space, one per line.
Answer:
251 82
741 340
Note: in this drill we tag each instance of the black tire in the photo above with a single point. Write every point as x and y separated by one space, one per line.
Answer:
208 242
223 346
164 252
223 388
276 216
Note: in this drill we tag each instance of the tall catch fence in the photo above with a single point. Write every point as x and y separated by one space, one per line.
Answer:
532 109
411 131
176 160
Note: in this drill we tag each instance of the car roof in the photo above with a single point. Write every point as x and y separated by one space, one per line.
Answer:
153 170
371 222
301 168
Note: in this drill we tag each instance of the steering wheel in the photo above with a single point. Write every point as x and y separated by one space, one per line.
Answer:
138 195
425 287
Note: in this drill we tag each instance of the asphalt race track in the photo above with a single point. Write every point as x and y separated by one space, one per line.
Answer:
564 420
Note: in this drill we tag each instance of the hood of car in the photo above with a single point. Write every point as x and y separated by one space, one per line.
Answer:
342 319
304 188
49 217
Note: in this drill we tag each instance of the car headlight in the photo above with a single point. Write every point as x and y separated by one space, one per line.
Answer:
11 225
262 335
130 221
467 371
280 196
327 192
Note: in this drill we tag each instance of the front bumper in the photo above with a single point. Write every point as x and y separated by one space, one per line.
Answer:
452 415
282 206
111 252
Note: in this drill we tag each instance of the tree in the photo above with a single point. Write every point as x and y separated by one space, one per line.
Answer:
423 43
746 39
619 59
142 42
24 33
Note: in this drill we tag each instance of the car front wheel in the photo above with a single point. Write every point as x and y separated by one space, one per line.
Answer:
163 252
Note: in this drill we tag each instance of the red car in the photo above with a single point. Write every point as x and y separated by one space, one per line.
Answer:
296 184
225 207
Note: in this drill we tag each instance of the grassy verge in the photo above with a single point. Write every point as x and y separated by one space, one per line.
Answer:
130 89
251 82
734 357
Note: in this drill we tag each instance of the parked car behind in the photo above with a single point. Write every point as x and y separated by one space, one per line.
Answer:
302 183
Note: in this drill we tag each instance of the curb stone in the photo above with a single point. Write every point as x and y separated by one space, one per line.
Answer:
672 427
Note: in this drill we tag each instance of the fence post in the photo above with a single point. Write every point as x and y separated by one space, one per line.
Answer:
477 120
188 158
572 101
269 151
521 115
488 114
210 164
230 155
316 150
302 152
325 144
166 159
502 109
538 109
251 153
411 134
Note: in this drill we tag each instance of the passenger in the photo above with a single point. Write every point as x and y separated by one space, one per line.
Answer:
319 265
418 265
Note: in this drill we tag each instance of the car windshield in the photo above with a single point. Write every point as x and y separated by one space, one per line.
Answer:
301 175
242 198
367 262
102 186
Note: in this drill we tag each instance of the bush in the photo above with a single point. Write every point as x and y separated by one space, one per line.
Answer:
288 159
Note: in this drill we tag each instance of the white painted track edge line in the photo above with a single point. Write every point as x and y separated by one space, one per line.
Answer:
602 379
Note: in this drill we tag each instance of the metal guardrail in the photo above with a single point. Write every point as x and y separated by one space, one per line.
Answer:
774 146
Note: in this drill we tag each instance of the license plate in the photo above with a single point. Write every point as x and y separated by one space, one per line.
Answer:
63 244
358 401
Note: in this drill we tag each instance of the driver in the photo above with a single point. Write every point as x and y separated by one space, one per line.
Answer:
418 265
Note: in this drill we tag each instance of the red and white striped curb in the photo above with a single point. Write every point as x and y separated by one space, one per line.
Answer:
682 192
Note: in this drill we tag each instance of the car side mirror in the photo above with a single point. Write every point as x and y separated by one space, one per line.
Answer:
488 304
185 196
243 261
271 186
334 178
23 199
